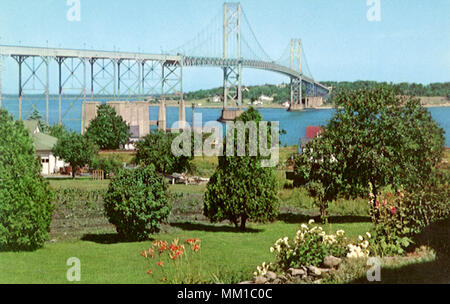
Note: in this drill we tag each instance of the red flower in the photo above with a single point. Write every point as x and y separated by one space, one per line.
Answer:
196 247
149 271
160 263
393 209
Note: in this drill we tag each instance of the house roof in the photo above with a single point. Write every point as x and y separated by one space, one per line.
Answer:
31 125
44 142
41 141
312 131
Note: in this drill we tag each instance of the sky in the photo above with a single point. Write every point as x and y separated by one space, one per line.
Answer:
410 41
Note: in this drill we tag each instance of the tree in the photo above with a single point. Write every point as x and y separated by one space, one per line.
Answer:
136 202
156 148
240 188
75 149
375 139
108 130
58 131
25 197
36 115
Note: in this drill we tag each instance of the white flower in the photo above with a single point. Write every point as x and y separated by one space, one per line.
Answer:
340 232
360 238
304 226
365 244
271 249
311 221
368 235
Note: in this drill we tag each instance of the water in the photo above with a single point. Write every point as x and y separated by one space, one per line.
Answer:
293 122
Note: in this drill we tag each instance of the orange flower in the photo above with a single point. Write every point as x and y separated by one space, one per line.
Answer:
149 271
160 263
196 247
163 279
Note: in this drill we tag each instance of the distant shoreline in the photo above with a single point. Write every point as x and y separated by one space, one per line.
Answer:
281 107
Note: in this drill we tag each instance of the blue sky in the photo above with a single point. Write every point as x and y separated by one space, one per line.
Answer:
410 43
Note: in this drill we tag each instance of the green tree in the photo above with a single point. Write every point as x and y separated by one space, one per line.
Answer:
75 149
36 115
240 188
156 148
375 139
108 130
25 197
136 202
58 131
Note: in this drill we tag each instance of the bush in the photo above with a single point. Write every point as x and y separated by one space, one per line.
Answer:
310 246
109 164
240 188
136 202
25 197
405 214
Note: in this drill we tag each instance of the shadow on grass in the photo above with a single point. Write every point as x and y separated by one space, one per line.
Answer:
293 218
107 238
188 226
436 236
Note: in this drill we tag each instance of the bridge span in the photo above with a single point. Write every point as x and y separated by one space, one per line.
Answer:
141 75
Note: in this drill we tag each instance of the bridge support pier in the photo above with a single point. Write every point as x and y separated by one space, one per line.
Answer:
296 95
162 115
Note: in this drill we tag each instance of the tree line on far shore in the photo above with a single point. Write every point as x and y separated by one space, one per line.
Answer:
281 93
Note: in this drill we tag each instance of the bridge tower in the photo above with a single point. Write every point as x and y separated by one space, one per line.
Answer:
232 91
296 83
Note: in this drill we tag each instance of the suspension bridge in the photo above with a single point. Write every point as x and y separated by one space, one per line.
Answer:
227 42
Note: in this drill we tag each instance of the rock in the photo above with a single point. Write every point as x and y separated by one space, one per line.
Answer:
270 275
317 281
296 272
314 271
277 281
246 282
282 278
260 280
331 261
53 241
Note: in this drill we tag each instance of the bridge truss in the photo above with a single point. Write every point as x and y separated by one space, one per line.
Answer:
89 74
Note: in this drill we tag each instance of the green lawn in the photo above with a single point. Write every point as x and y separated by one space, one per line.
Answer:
226 254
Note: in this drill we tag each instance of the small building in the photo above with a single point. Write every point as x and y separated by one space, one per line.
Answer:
264 98
217 98
44 144
311 132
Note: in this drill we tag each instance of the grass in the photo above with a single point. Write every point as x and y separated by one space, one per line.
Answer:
225 255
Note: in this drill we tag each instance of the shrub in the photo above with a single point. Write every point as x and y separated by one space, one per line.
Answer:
310 246
405 214
136 202
25 197
109 164
240 188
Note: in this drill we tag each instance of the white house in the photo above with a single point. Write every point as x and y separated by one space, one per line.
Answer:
264 98
217 98
43 144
